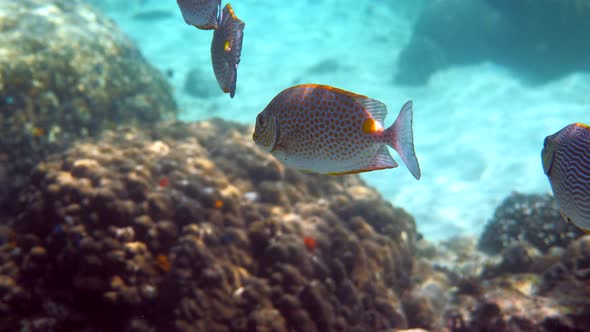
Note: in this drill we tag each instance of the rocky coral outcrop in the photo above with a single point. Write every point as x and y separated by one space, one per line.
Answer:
193 228
531 218
66 73
527 285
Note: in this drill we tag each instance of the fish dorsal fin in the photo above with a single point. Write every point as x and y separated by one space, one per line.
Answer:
582 125
330 88
375 108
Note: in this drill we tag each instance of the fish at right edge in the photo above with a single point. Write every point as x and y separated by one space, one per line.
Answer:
566 162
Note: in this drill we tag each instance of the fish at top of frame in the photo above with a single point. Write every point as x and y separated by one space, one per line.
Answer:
202 14
226 49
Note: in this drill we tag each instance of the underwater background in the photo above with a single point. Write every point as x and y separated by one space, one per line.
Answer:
482 105
134 199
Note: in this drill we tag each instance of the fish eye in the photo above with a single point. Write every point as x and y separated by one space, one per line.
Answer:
260 120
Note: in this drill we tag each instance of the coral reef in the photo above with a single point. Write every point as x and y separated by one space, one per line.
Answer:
514 34
530 218
190 227
66 73
529 286
508 293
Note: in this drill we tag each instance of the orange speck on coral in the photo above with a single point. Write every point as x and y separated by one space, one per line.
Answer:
218 204
163 263
309 242
164 182
38 132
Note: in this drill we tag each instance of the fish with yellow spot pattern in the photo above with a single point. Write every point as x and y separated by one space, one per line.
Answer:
566 162
326 130
226 49
200 13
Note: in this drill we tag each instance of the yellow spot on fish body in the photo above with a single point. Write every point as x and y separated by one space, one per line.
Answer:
227 46
370 126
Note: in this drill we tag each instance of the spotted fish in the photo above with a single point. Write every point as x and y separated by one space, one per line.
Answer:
200 13
326 130
566 161
226 49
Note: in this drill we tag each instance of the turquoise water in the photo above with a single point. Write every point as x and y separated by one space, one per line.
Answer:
478 126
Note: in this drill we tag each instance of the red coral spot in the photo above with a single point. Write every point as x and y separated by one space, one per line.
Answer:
164 182
309 242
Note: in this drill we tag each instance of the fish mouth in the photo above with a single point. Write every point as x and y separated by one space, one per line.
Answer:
267 137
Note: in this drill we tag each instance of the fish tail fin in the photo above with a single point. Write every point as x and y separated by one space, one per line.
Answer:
400 136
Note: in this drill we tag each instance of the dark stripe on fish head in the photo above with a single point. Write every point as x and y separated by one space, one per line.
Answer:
266 132
548 153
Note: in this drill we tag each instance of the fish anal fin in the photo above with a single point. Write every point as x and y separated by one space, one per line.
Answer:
381 160
356 171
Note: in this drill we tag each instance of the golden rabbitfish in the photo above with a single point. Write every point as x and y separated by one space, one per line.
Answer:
200 13
326 130
566 162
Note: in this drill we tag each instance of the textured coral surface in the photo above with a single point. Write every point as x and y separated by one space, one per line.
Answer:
193 228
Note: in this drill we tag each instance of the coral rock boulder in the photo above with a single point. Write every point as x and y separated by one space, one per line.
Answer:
192 227
66 73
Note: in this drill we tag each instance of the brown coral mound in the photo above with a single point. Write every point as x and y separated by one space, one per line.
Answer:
66 73
193 228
